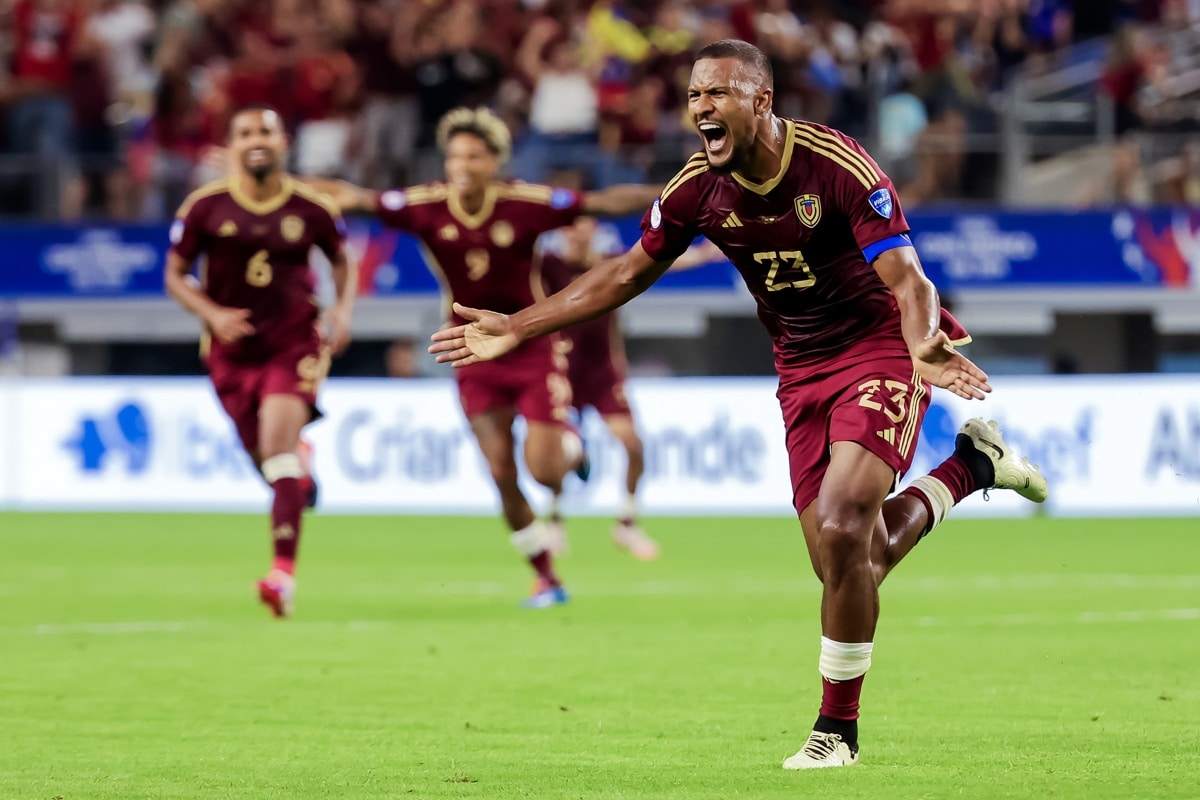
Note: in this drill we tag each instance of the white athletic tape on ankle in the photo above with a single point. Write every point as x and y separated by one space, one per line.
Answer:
531 540
939 497
841 661
284 465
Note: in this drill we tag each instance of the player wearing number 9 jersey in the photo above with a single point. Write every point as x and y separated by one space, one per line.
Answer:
478 235
815 229
262 345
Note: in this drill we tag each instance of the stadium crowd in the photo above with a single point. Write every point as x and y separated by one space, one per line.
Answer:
119 100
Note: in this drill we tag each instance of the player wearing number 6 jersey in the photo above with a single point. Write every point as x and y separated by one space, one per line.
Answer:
814 228
264 348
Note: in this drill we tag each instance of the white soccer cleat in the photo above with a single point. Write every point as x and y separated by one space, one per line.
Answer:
823 750
628 536
1011 472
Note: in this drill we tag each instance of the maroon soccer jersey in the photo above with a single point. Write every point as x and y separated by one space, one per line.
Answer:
595 349
798 241
484 260
257 257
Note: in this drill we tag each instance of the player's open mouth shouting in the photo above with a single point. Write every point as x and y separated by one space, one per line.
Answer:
714 135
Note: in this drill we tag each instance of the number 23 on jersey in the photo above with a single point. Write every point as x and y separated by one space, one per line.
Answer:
786 269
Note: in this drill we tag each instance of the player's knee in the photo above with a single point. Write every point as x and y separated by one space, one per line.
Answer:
843 543
504 474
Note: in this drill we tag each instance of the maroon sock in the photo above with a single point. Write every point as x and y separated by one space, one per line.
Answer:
956 476
839 699
286 510
543 565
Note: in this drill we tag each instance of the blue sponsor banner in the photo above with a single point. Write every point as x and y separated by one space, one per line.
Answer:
1158 247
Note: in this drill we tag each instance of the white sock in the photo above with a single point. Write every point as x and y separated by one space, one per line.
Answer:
841 661
939 497
531 540
629 508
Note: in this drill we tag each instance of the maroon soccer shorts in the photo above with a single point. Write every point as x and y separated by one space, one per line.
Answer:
871 397
601 387
531 379
241 385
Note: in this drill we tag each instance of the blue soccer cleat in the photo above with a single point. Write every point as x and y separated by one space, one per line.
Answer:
545 596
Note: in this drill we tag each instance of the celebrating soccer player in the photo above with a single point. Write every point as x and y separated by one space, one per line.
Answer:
479 236
265 348
814 228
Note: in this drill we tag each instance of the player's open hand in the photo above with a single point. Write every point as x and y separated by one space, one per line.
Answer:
334 328
487 335
230 324
939 363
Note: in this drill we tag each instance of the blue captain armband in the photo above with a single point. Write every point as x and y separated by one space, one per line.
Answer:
873 251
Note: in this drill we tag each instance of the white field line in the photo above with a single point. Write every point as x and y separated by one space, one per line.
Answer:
166 626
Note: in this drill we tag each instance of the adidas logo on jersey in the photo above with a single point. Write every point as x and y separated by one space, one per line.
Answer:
732 221
228 228
888 435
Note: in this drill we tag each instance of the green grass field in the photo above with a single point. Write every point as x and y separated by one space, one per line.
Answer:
1020 659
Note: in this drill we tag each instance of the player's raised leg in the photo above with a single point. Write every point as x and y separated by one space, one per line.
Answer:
551 451
530 537
281 418
627 533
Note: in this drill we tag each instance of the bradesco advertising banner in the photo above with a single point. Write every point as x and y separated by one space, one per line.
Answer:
1109 446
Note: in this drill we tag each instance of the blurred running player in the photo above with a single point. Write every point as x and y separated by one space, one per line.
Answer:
859 337
596 365
478 234
266 350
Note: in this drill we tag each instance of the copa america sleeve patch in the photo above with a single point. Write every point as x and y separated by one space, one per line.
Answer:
881 201
656 215
176 232
393 200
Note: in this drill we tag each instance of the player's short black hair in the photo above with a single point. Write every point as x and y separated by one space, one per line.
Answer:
744 52
252 107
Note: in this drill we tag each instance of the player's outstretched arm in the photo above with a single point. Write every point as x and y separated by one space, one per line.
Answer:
227 324
606 286
348 197
615 201
933 355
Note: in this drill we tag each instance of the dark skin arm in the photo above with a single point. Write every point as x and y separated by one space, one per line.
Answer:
226 324
607 286
615 201
348 197
934 358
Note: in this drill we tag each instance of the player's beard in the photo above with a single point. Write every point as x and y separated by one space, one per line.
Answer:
262 170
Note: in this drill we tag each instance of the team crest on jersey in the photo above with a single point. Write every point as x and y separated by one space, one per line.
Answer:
449 233
808 209
502 234
881 201
292 228
228 228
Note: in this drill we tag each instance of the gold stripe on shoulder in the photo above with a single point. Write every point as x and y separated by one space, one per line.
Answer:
320 198
837 158
418 195
840 146
692 163
207 190
681 179
525 191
